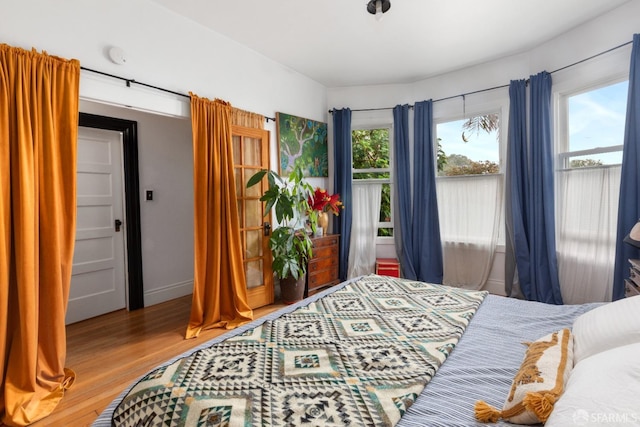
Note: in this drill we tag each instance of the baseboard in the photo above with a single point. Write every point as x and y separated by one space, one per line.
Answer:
169 292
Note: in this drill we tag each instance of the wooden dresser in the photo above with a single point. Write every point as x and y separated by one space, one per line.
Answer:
322 270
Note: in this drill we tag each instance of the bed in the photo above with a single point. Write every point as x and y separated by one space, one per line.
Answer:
475 361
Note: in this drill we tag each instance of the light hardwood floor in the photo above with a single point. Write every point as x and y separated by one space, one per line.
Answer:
109 352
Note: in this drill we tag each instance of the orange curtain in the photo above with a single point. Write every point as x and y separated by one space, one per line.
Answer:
247 119
219 287
38 132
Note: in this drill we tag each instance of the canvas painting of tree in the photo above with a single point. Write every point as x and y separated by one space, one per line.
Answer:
302 141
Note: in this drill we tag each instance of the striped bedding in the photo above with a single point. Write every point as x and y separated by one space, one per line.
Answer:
486 359
481 366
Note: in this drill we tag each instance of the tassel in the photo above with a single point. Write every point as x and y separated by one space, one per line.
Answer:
540 404
486 413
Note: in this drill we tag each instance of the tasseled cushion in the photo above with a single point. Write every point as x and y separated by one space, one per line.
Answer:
538 383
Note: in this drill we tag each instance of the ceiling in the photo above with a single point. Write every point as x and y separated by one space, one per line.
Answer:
338 43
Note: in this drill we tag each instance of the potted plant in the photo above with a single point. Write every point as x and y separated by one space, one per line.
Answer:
322 203
290 243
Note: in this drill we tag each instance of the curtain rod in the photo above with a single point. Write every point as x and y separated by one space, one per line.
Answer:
129 81
463 95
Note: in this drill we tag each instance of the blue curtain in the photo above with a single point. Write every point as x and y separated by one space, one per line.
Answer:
403 224
629 204
530 188
427 247
342 183
517 192
545 284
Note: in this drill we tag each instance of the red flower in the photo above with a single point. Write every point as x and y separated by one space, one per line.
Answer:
323 202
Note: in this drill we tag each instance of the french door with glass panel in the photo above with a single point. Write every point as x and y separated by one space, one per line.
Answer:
250 154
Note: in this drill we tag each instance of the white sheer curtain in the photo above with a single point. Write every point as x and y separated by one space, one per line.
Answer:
366 198
586 232
470 209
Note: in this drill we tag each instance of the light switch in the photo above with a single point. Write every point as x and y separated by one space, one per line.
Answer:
149 195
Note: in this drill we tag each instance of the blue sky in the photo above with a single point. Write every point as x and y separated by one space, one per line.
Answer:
482 146
596 119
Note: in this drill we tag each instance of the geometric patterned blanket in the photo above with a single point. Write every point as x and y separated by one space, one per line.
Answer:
359 356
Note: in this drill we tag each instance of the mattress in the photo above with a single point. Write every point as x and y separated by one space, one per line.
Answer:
481 366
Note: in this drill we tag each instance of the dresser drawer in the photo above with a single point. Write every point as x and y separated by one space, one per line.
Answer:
325 252
634 276
322 263
630 288
322 277
329 240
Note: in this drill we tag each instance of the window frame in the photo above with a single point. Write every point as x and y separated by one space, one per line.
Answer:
562 145
371 125
604 71
496 105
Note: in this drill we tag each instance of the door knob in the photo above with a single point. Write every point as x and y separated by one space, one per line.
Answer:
118 224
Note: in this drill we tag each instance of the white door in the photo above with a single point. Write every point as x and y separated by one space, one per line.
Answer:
98 276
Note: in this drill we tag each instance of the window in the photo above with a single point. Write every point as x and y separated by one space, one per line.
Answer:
594 127
371 151
469 184
469 147
470 197
590 143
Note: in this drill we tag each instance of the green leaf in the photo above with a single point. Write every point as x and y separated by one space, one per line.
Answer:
273 179
269 205
294 269
256 178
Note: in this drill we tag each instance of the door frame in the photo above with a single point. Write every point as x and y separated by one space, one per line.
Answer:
133 245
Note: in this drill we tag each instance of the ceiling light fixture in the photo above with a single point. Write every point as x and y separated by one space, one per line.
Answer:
378 8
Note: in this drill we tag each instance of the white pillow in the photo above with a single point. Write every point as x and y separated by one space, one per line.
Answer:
605 327
602 390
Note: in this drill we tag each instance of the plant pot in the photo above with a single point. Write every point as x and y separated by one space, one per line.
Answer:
292 290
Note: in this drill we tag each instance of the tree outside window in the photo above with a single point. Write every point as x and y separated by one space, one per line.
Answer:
371 153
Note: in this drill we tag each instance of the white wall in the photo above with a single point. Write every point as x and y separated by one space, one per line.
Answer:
599 35
168 51
163 49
